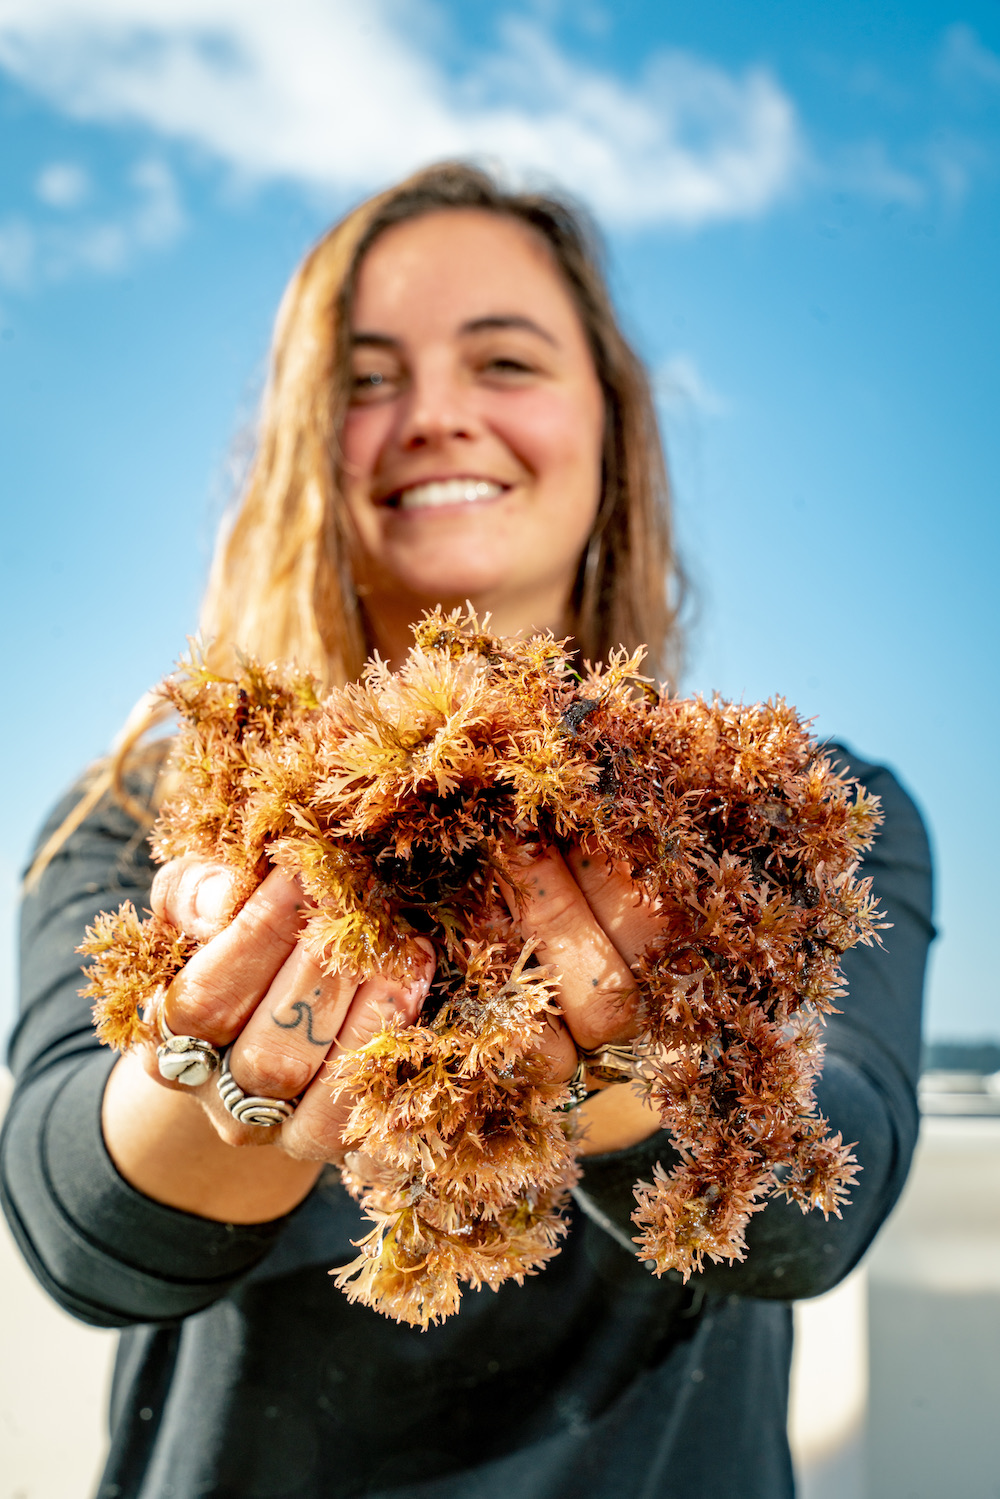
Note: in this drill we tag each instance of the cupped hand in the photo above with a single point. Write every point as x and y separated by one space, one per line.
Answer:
256 987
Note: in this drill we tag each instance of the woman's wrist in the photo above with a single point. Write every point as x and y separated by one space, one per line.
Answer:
163 1143
614 1119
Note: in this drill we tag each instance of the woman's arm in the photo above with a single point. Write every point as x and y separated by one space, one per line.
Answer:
104 1251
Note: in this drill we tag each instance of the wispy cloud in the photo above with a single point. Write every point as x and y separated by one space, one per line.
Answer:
49 248
345 97
870 168
965 60
62 184
8 914
683 390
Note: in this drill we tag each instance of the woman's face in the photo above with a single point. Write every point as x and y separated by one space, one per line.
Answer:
472 444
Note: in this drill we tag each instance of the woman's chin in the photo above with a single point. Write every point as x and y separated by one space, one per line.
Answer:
451 581
519 587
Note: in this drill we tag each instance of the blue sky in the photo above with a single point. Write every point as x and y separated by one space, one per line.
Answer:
802 204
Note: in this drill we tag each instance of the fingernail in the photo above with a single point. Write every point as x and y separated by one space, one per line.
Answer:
389 1005
213 896
416 991
418 987
522 855
405 1001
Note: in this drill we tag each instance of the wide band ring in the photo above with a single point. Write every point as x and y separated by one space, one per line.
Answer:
184 1059
613 1063
265 1112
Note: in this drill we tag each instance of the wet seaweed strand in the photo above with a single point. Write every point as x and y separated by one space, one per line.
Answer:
396 801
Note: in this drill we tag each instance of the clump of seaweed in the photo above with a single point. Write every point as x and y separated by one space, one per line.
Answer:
396 801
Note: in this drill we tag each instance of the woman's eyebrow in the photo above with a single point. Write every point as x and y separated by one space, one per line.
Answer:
474 325
507 320
380 340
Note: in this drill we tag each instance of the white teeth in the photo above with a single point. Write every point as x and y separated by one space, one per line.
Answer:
448 492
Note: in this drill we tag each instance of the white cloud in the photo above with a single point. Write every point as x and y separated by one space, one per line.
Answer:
868 167
9 891
339 96
17 252
62 185
152 218
682 389
158 216
965 60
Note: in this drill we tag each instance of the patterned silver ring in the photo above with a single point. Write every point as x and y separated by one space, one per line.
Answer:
266 1112
184 1059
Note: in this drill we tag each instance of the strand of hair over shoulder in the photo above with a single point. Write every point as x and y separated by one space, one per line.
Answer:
107 775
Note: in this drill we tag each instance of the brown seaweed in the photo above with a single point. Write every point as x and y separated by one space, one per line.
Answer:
396 801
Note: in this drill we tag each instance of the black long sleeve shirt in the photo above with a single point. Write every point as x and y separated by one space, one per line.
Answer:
242 1372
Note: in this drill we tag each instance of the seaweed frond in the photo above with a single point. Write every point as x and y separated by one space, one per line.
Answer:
131 962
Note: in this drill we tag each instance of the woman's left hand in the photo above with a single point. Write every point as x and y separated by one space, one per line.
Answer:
591 922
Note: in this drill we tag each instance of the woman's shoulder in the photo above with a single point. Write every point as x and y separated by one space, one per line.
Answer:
903 837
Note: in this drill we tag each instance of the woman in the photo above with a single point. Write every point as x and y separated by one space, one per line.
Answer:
453 414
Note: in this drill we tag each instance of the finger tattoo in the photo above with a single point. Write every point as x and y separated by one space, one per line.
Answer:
302 1011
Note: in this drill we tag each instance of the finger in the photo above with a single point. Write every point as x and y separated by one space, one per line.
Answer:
195 895
218 989
557 1050
625 913
315 1130
286 1040
597 992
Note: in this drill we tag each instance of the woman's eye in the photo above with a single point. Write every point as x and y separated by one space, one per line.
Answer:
507 365
368 383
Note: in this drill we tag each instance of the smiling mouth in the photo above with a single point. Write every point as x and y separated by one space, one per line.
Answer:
446 492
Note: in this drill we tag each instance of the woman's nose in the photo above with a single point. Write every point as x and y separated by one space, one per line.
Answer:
438 409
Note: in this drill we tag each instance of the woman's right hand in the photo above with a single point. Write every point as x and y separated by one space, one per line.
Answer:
254 985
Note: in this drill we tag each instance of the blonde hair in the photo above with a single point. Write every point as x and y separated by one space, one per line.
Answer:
281 585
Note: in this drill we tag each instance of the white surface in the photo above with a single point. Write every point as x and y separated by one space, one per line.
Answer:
54 1380
945 1234
934 1314
829 1391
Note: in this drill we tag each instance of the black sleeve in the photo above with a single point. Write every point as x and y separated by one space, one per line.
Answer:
867 1090
104 1251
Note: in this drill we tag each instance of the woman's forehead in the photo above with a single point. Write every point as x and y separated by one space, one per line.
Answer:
464 269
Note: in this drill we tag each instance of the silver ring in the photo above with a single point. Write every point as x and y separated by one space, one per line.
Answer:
577 1088
184 1059
265 1112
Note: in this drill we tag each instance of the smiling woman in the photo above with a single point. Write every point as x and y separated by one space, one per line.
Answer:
452 414
472 446
494 305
